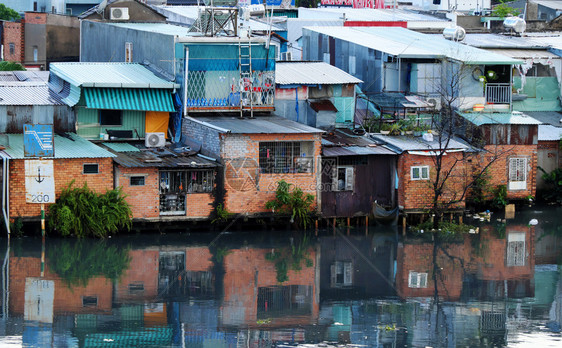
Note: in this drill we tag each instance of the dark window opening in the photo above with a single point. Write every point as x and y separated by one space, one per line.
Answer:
137 180
111 117
136 288
89 301
12 48
91 168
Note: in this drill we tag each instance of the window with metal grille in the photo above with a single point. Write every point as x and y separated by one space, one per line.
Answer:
517 174
136 180
515 249
417 280
176 184
12 48
286 157
89 301
136 288
419 173
90 168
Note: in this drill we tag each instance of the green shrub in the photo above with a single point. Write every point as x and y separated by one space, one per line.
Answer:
76 262
84 213
11 66
294 202
553 181
500 197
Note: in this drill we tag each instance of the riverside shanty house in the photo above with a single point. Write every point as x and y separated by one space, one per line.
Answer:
256 153
416 169
164 182
75 159
315 93
114 100
27 99
356 172
512 139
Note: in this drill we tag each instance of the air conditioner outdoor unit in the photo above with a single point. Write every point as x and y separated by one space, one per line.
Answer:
155 140
119 13
434 101
286 56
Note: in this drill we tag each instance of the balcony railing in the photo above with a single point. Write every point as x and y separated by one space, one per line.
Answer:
498 93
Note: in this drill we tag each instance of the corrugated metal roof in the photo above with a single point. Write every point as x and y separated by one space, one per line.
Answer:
143 99
151 158
109 75
368 14
548 132
121 147
404 43
311 73
525 54
337 151
68 146
515 117
27 76
409 143
256 125
501 41
162 28
553 118
553 4
22 93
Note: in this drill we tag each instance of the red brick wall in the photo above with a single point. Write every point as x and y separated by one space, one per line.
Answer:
65 170
243 196
199 204
67 300
418 194
36 17
500 168
246 270
198 259
142 269
13 33
144 200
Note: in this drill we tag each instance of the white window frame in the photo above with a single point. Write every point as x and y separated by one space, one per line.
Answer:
417 280
349 181
341 267
516 249
420 171
517 173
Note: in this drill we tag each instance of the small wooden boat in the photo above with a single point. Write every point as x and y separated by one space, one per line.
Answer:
385 216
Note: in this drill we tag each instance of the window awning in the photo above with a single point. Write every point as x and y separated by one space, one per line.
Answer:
141 99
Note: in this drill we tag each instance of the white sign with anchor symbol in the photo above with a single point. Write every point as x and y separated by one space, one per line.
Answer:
39 181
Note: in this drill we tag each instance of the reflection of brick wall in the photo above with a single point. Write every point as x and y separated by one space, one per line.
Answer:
65 171
487 261
143 269
499 170
418 194
249 198
418 257
246 270
13 34
198 259
144 200
67 300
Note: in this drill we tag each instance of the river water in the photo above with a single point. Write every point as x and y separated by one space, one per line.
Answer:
501 287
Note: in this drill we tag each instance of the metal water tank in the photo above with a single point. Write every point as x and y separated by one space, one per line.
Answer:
517 24
454 33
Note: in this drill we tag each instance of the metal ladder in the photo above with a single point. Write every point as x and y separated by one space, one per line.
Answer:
246 81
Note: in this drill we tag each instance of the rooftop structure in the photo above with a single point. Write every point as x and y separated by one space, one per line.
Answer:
311 73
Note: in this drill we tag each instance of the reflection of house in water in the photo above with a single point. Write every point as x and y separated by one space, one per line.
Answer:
488 265
357 266
252 292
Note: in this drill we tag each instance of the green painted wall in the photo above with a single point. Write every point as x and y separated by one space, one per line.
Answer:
89 128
